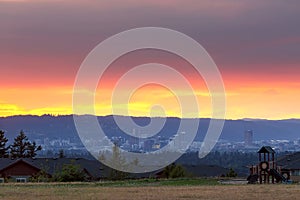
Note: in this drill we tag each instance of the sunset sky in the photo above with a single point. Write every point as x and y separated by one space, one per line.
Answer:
254 43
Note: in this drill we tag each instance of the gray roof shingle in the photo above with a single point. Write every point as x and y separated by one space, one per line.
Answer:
291 161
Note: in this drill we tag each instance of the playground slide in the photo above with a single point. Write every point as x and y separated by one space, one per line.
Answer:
278 176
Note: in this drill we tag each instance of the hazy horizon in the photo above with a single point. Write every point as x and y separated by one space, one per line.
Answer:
62 115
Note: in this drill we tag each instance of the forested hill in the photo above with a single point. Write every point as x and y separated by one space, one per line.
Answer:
63 127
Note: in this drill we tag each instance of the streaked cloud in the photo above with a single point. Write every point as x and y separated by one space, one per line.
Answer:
255 44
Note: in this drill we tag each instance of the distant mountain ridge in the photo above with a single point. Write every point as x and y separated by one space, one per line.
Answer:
63 127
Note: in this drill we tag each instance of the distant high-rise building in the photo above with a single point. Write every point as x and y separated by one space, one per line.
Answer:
248 137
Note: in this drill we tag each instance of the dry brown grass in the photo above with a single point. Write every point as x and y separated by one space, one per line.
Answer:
150 192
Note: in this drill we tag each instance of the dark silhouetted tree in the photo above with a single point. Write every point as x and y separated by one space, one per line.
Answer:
61 153
23 148
70 173
3 147
32 148
231 173
174 171
18 148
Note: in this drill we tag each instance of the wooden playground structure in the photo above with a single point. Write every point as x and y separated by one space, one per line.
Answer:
267 171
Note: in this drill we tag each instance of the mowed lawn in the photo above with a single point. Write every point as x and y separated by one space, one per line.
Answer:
150 190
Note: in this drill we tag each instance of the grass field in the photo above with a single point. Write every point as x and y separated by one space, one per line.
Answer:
148 189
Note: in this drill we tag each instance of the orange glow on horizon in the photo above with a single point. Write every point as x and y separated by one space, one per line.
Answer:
246 100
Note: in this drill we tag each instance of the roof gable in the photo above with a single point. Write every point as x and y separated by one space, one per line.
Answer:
266 149
15 164
53 165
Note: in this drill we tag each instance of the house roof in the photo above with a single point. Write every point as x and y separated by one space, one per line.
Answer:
52 165
15 162
266 149
4 162
291 161
205 170
93 168
97 170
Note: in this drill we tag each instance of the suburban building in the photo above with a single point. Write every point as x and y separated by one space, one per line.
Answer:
291 164
22 170
26 169
248 138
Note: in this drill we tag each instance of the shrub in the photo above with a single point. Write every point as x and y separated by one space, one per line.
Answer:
70 173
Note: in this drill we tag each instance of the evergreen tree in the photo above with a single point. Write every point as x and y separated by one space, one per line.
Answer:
61 153
18 148
32 148
3 147
23 148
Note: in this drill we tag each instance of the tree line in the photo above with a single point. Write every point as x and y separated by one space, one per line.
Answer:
20 148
